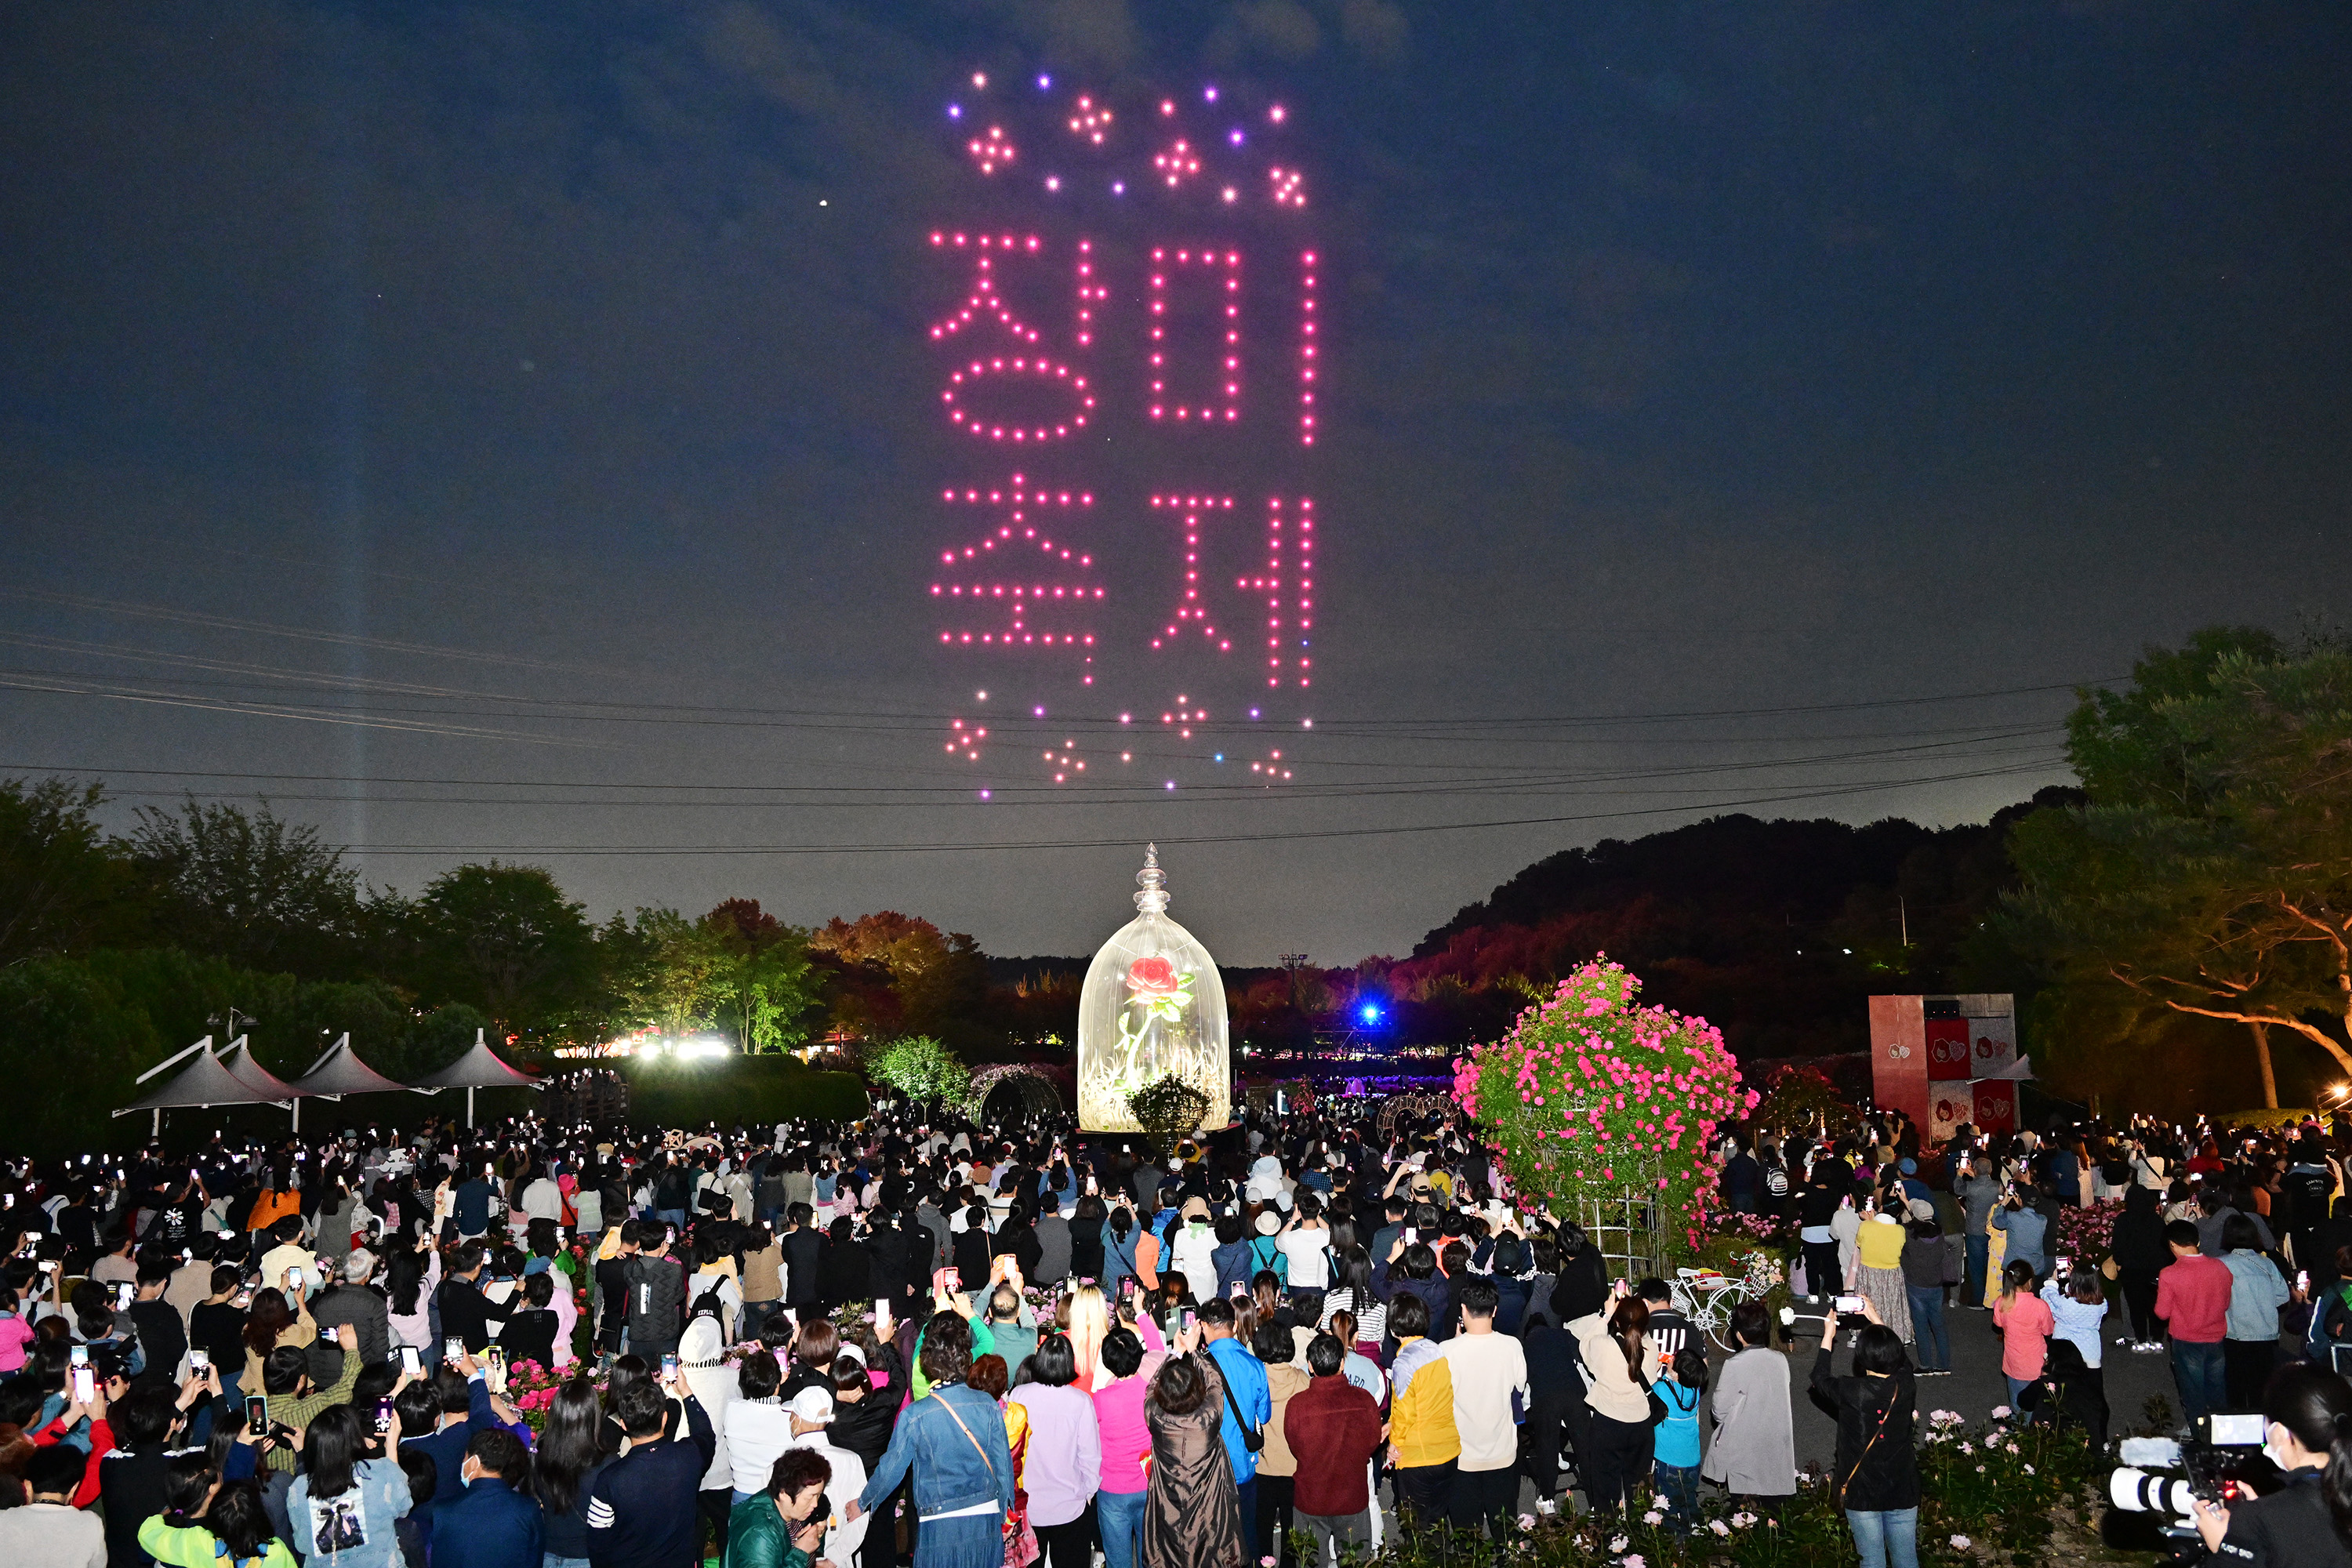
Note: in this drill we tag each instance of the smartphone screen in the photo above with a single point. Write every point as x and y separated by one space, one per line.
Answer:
383 1416
123 1296
494 1362
2062 1264
410 1362
256 1413
78 1356
1188 1319
84 1384
670 1366
453 1350
1849 1303
199 1361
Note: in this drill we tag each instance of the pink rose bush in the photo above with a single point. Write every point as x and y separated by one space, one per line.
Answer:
1590 1096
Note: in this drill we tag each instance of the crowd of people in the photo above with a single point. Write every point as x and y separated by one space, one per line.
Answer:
543 1347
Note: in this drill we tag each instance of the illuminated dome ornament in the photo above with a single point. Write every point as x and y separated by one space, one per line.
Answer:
1153 1005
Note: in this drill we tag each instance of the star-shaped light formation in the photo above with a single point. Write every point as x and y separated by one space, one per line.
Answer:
1091 120
1177 162
1290 187
991 150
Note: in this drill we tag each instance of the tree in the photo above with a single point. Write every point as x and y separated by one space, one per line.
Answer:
919 1068
62 883
764 976
2210 868
677 984
250 886
506 938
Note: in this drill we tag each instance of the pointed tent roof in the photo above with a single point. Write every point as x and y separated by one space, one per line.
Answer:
204 1081
480 1067
266 1086
340 1071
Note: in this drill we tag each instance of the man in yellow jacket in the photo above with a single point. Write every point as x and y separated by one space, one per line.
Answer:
1426 1444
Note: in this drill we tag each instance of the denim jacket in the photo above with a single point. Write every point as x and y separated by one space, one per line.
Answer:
952 1471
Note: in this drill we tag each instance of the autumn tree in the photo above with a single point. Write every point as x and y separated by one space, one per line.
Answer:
2210 871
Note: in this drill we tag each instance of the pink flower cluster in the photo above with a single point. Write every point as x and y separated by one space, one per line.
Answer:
1589 1094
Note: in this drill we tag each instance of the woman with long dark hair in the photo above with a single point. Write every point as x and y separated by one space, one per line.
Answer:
1623 1363
2307 1433
1877 1480
343 1505
563 1471
1351 1292
2139 1254
1192 1510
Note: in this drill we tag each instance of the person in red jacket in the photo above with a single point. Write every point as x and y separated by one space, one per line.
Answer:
1334 1428
2192 1297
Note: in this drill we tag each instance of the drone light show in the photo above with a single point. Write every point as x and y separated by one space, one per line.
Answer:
1122 312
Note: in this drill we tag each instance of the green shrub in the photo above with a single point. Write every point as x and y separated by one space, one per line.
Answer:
728 1090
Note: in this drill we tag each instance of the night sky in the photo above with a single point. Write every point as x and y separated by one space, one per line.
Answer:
433 417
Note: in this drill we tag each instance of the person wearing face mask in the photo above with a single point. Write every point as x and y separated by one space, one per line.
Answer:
495 1522
2307 1522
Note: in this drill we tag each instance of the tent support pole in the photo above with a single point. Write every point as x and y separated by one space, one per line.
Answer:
158 1131
469 1105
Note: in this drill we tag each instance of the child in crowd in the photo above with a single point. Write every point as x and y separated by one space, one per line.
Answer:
1682 1390
2026 1323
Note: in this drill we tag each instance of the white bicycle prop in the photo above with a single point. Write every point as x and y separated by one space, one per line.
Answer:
1707 1297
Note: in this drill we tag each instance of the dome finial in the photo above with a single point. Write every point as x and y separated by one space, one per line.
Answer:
1153 899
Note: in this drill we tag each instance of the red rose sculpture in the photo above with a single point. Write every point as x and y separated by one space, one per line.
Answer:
1152 977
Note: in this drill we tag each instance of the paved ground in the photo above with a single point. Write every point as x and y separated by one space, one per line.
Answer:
1976 1383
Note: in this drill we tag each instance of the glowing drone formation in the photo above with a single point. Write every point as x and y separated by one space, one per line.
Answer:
1110 352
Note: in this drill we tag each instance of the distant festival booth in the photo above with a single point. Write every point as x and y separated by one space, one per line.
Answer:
1153 1007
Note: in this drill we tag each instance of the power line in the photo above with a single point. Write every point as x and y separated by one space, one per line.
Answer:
980 846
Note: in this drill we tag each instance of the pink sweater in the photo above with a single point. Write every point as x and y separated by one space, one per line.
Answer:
1126 1438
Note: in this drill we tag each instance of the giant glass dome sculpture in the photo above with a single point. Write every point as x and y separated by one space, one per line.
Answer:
1153 1005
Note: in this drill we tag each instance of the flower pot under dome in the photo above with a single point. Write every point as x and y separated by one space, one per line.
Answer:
1154 1007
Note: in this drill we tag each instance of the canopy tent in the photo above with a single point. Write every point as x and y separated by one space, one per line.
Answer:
206 1082
480 1067
238 1059
341 1072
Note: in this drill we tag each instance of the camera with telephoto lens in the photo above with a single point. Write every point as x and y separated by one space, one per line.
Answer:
2155 1491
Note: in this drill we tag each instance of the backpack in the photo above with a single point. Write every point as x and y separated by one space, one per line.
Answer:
1776 1181
710 1303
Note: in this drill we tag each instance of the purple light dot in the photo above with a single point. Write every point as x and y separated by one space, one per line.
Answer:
1118 187
1044 82
1039 712
1171 783
955 111
1210 93
1236 137
983 794
1053 182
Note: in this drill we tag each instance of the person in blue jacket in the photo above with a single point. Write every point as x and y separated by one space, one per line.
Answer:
494 1524
1251 1400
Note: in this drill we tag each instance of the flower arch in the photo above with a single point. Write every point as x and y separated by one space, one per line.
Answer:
1591 1098
1037 1091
